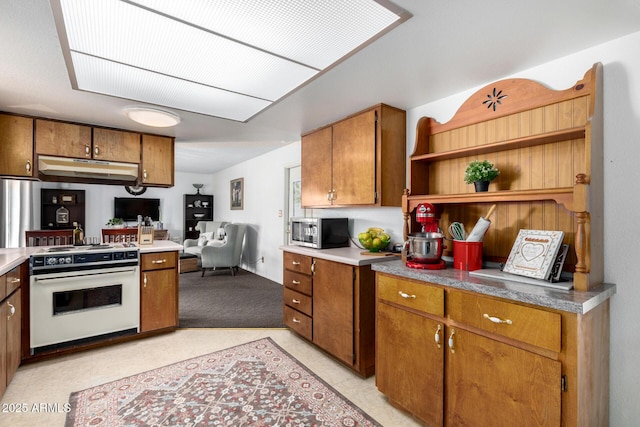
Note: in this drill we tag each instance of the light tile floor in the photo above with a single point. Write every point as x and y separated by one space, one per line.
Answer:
40 387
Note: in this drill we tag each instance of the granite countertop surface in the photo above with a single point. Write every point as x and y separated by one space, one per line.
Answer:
350 255
579 302
13 257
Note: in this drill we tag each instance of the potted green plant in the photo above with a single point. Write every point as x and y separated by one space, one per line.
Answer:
115 223
480 173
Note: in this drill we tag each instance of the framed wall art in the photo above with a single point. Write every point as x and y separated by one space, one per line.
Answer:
237 194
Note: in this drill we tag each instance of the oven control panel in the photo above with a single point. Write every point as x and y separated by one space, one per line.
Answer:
82 260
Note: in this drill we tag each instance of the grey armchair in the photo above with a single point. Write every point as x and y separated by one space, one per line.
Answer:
225 254
206 229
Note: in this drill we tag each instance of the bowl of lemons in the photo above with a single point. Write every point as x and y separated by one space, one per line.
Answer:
374 239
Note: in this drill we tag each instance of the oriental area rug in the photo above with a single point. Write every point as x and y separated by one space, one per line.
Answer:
253 384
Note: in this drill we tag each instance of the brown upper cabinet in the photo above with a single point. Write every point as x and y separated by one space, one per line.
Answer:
157 160
73 140
116 145
357 161
16 146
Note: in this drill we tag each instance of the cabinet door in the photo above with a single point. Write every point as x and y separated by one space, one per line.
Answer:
354 160
409 362
16 146
333 290
115 145
157 160
13 328
63 139
490 383
158 300
316 167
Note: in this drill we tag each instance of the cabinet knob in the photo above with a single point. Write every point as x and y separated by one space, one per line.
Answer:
295 282
96 151
295 320
295 301
144 279
145 175
87 151
497 319
27 167
295 263
452 343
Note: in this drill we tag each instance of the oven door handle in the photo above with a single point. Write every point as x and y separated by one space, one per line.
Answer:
51 278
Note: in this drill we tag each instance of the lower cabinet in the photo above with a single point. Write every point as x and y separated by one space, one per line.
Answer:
332 305
10 327
158 291
455 358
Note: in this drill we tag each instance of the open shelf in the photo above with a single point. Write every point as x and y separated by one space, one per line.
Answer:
563 196
512 144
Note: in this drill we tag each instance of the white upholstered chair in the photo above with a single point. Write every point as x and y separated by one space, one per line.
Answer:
225 253
208 230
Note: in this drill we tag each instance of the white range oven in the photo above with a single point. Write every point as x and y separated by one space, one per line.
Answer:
82 294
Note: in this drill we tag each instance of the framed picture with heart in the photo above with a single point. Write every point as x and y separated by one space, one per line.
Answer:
534 253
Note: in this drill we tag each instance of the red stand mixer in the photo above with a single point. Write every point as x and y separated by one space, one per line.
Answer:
424 249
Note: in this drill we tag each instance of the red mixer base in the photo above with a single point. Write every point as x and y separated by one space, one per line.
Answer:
432 266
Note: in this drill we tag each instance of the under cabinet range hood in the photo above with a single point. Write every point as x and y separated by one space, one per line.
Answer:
84 168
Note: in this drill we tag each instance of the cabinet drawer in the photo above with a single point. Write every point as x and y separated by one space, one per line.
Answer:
158 261
13 280
418 296
530 325
296 262
298 322
298 282
298 301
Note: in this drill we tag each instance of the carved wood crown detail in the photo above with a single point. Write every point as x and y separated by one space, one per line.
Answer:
495 99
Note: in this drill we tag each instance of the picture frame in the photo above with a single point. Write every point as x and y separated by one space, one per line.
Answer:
237 194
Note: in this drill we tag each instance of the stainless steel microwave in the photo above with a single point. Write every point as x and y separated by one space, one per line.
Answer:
320 233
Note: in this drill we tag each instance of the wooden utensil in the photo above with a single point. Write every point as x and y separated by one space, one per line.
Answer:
481 226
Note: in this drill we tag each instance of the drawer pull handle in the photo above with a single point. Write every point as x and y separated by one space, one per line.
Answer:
295 320
406 295
452 346
295 301
497 319
158 261
15 281
144 279
12 310
295 282
437 336
295 262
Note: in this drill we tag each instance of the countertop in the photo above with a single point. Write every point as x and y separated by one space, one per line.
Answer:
13 257
350 255
572 301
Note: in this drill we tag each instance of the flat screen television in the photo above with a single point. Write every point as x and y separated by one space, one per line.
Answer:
128 208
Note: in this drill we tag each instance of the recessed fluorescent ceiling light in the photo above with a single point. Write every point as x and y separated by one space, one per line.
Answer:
225 58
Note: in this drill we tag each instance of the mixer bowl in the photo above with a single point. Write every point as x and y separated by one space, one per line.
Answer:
426 247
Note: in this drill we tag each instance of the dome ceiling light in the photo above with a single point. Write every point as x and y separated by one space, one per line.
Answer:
227 58
152 117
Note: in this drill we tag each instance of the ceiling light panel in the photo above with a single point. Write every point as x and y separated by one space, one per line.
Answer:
316 33
140 85
226 58
119 32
